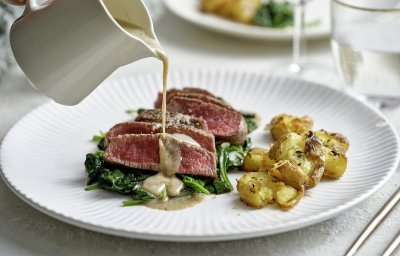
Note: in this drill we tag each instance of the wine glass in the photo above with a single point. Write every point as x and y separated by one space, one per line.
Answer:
298 67
298 46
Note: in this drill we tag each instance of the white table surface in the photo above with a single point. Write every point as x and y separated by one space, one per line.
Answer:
26 231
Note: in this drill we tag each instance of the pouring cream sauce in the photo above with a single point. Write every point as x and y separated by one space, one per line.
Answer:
170 158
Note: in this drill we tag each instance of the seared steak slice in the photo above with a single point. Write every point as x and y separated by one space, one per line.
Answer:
141 151
190 90
205 139
158 102
226 124
203 97
131 128
197 90
173 119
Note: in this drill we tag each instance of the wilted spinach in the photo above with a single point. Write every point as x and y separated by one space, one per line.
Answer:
139 196
99 139
229 156
251 121
111 178
274 15
220 186
117 181
94 165
196 184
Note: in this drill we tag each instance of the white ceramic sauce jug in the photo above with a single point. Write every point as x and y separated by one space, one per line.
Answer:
66 48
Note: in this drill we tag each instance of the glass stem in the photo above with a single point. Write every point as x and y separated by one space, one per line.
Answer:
298 36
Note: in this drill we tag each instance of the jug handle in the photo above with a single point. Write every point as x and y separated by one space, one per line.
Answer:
30 6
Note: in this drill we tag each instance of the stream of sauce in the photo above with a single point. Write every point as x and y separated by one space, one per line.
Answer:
170 158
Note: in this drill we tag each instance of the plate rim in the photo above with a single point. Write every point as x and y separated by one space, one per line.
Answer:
313 35
320 217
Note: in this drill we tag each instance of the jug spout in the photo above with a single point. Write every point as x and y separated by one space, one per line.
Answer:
137 26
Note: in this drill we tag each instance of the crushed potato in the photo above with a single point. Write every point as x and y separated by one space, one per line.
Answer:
296 161
284 123
256 159
335 163
257 189
305 151
290 174
333 141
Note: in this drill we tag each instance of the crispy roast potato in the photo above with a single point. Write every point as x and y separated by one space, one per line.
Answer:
257 189
335 141
335 163
305 151
296 161
289 173
256 159
284 123
253 189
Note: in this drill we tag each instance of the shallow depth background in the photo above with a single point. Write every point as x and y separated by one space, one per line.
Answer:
25 231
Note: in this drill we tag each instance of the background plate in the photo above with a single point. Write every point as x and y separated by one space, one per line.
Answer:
317 10
42 158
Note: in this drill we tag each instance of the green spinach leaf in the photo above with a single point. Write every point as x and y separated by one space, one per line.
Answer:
229 156
251 121
94 165
119 181
274 15
139 196
99 139
196 184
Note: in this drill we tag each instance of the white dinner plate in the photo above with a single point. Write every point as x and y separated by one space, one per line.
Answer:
42 158
317 13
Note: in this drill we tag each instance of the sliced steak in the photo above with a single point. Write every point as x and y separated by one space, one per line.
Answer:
226 124
189 90
204 138
131 128
203 97
158 102
197 90
141 151
173 119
